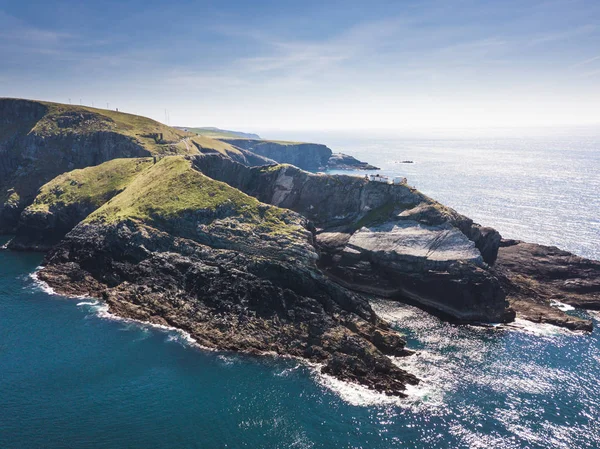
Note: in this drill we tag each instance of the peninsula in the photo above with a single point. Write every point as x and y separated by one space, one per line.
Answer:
236 241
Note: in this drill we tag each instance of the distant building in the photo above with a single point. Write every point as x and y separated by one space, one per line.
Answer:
386 180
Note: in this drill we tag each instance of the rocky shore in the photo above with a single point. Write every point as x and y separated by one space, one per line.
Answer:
238 281
538 277
246 253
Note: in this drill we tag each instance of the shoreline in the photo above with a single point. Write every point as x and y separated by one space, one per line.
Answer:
349 392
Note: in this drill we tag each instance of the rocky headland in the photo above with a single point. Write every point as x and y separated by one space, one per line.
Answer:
307 156
219 238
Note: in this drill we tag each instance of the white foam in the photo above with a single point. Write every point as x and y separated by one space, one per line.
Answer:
562 306
355 394
101 310
41 284
541 329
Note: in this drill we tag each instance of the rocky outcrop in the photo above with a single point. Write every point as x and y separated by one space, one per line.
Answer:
308 156
344 202
40 230
537 277
341 161
388 240
229 298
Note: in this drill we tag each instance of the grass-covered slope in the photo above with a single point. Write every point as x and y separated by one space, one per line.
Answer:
175 196
41 140
169 195
69 198
55 119
95 185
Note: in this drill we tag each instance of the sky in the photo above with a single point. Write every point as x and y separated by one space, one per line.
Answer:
314 65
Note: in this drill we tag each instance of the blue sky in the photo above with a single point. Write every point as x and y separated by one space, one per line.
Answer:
311 65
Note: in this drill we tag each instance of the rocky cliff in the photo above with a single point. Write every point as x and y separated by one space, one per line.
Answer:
307 156
176 247
40 140
388 240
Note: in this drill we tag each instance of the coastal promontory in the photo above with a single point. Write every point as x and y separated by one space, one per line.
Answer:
245 245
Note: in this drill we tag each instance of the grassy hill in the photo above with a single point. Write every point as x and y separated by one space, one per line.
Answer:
60 119
169 195
40 140
94 185
171 190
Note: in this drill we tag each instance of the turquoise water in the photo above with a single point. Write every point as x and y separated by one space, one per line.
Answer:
73 377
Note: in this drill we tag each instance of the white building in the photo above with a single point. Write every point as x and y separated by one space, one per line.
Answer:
386 180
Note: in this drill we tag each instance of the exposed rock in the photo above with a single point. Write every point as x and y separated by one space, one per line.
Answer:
229 299
435 267
542 312
340 161
308 156
551 273
388 240
536 276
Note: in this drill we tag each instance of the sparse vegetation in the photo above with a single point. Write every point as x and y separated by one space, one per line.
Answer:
63 118
94 185
375 216
220 133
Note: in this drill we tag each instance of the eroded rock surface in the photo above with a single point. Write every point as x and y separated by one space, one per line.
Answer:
536 276
233 272
229 299
389 240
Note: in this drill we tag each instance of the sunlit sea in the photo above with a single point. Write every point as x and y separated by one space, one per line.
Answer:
72 376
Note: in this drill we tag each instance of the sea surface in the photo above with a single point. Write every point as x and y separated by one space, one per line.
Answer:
72 376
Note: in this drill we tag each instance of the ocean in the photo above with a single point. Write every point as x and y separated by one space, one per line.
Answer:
72 376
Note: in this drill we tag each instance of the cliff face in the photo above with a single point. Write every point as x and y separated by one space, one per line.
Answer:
176 247
388 240
69 198
39 141
308 156
345 202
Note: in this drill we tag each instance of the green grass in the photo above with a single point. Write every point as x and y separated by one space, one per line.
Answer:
273 168
137 127
95 185
172 189
219 146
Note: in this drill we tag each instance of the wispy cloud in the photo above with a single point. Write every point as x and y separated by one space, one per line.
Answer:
586 62
546 38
